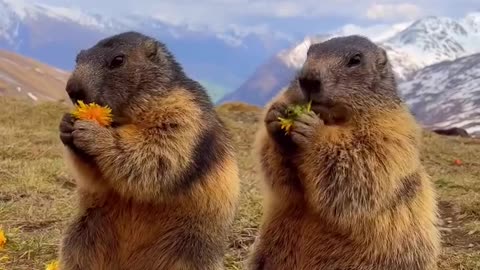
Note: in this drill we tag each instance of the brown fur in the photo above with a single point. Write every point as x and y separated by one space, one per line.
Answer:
345 189
158 189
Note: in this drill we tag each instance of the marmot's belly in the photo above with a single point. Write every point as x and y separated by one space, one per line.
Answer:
314 245
140 226
324 248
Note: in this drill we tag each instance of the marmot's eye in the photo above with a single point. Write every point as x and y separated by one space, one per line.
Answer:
117 61
355 60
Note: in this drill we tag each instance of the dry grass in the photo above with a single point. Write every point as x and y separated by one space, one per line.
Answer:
36 192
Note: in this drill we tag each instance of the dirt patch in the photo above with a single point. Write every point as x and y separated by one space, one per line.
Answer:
65 182
6 198
453 230
28 226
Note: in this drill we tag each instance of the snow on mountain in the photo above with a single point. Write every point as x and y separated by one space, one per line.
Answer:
54 35
295 57
275 74
13 12
446 94
411 46
441 92
433 40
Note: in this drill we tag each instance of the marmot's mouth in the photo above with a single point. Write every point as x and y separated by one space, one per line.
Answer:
332 113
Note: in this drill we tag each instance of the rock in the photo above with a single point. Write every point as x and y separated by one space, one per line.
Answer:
452 132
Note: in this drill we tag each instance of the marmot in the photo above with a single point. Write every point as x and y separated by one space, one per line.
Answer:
158 188
345 188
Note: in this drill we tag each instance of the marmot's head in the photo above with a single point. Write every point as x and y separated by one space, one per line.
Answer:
347 76
123 69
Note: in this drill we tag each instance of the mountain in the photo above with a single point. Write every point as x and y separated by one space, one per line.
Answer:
54 34
433 40
446 94
267 80
411 47
24 77
275 73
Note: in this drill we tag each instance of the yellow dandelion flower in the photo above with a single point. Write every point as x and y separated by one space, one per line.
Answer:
286 124
3 239
93 111
292 113
53 265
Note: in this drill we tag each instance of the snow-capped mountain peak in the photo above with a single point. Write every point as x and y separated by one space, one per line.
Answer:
295 57
435 39
410 46
15 14
472 22
54 35
435 60
21 10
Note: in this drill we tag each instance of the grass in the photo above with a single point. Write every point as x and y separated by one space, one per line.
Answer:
36 192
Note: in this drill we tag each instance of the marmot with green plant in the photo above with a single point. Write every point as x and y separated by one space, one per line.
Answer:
157 188
344 185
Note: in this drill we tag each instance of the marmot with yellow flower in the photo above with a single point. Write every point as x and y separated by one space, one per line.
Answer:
344 185
157 187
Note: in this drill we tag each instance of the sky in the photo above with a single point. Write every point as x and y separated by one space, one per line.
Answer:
290 17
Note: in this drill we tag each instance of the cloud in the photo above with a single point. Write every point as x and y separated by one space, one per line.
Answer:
230 11
377 32
216 11
393 12
235 19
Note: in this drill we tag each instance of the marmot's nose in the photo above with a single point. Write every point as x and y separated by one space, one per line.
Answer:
75 90
310 85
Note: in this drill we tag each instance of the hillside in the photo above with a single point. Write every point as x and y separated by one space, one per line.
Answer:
447 94
257 90
37 192
24 77
21 76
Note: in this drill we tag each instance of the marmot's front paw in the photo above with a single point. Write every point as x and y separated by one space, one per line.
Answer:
304 128
272 122
271 119
66 129
90 137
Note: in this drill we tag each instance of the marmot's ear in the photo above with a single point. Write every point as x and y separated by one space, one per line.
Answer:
151 49
382 59
155 51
